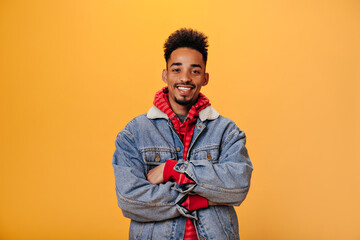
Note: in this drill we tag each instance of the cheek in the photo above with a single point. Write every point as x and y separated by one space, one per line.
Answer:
171 81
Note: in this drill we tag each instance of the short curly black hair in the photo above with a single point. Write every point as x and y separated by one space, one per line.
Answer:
186 37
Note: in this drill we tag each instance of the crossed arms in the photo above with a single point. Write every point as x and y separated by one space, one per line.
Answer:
145 197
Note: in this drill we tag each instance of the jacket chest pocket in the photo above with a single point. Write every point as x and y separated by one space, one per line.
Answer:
155 157
211 154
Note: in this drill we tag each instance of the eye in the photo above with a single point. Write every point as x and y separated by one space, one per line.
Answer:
196 71
175 70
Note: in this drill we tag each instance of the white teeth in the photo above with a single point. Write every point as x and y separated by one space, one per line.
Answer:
183 88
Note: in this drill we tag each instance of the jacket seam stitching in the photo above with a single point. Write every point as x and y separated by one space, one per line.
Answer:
149 149
128 134
221 222
233 132
206 148
242 190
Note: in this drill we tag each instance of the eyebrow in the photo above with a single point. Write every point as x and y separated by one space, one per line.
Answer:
176 64
179 64
196 65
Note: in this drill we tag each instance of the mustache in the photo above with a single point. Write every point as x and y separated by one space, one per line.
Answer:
184 85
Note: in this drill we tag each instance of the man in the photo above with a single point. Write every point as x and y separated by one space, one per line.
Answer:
181 167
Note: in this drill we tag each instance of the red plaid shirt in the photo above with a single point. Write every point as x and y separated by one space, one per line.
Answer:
185 131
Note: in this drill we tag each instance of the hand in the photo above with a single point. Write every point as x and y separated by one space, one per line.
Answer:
214 203
155 175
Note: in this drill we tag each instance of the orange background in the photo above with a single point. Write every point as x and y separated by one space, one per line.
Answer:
73 73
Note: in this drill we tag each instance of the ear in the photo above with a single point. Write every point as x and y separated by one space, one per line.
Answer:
206 79
164 75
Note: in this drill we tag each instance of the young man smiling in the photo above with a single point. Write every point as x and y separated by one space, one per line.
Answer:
184 75
181 167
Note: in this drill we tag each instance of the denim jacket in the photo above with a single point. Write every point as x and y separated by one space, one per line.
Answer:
217 161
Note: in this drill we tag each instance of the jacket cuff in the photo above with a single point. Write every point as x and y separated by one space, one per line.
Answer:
194 202
169 173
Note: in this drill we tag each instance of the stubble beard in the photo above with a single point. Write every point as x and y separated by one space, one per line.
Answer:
183 102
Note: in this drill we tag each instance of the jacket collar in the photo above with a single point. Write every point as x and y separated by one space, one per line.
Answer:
208 113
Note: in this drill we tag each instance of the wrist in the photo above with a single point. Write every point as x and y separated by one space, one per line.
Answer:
169 173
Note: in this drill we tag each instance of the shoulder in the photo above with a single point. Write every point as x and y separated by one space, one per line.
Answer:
137 122
153 119
210 115
222 122
129 129
226 127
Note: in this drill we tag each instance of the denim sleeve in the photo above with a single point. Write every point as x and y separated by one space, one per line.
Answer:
139 199
227 181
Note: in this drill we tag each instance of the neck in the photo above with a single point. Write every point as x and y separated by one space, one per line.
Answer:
179 109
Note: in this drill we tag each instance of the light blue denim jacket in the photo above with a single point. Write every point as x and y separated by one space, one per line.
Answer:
217 161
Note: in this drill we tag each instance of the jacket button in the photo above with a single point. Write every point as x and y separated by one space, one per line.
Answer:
209 157
178 149
157 158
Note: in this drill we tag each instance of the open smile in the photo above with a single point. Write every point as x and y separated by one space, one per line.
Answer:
184 89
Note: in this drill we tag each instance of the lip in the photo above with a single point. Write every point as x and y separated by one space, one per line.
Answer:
184 90
191 86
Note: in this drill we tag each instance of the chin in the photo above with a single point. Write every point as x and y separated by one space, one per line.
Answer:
184 102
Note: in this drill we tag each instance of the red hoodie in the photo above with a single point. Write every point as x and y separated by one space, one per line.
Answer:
185 131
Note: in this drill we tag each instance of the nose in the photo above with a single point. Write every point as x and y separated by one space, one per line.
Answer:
185 77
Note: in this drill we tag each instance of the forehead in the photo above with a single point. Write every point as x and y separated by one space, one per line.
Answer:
186 56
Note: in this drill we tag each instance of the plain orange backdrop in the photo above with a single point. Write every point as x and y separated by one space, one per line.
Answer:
73 73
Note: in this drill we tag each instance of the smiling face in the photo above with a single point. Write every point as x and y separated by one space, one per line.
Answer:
185 75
